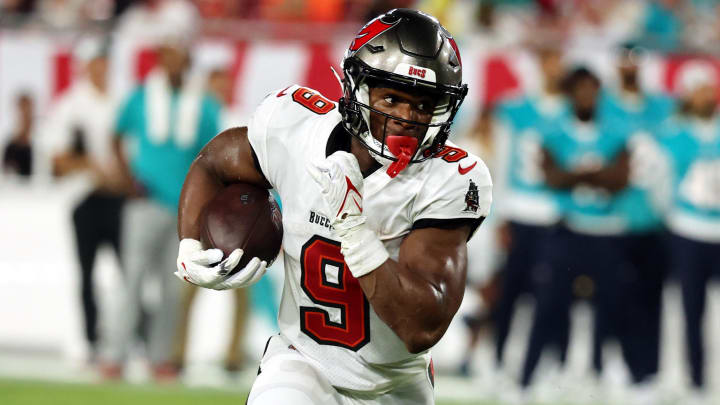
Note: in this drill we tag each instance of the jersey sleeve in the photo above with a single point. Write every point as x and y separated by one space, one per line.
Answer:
461 193
267 149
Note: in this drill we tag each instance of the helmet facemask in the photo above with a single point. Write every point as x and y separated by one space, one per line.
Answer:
397 151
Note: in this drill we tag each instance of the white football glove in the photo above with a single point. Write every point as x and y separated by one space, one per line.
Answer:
341 183
206 268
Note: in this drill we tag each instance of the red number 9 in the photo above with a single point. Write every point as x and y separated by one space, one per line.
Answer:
353 331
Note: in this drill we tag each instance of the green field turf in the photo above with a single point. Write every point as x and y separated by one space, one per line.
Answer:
14 392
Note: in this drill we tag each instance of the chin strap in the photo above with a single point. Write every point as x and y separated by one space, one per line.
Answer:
403 147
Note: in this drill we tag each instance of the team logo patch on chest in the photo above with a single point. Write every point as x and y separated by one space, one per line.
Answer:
319 219
472 200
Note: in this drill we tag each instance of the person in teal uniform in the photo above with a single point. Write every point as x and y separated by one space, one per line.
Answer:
644 113
691 142
529 209
586 163
160 129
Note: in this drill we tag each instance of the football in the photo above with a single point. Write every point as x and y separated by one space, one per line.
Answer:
243 216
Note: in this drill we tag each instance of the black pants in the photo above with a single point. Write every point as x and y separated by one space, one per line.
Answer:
694 263
523 257
551 286
97 221
639 328
579 265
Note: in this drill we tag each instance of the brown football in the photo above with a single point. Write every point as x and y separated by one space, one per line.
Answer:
243 216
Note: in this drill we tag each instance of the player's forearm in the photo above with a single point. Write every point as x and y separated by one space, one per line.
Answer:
200 186
614 177
127 180
226 159
67 163
559 178
418 310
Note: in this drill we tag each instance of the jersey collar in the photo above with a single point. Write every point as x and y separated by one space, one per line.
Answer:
339 139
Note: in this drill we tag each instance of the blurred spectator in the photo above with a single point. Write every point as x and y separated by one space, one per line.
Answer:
485 254
121 6
152 19
224 9
585 161
480 140
702 31
692 143
166 122
529 207
299 10
377 7
18 155
598 27
61 13
496 27
644 113
220 86
662 25
17 6
80 129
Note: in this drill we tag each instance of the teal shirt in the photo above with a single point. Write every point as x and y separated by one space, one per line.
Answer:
525 123
643 117
528 197
647 112
576 147
662 27
694 152
161 167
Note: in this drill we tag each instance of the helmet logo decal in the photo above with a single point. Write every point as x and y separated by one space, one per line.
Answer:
370 31
455 48
413 71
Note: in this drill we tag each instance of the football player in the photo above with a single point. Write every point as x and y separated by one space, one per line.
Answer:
530 209
586 163
691 141
378 209
641 205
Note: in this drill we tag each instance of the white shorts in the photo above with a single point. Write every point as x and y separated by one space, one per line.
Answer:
287 377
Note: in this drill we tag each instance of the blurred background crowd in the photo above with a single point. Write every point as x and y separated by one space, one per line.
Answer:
591 282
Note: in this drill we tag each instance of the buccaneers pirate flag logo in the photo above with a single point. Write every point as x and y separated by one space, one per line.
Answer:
471 198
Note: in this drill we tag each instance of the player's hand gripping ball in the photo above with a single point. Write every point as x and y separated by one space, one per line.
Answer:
241 232
207 268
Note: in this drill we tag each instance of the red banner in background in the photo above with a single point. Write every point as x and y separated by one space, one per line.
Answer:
145 61
62 72
318 75
237 69
499 79
674 66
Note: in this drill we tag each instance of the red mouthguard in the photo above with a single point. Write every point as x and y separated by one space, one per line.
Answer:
403 147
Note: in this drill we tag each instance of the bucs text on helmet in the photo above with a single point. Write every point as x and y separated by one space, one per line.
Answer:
404 49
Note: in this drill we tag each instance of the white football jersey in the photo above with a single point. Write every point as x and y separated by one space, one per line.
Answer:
324 313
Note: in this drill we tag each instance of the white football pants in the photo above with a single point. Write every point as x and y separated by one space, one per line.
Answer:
287 377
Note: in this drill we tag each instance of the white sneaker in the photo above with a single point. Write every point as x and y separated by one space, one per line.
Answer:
696 396
645 393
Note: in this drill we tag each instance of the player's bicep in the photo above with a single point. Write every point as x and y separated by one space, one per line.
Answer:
439 256
230 158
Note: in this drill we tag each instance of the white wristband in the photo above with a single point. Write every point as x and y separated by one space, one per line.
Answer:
362 249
